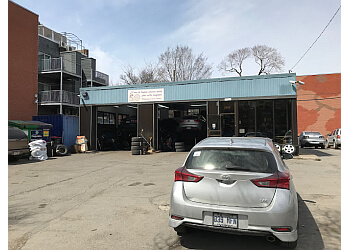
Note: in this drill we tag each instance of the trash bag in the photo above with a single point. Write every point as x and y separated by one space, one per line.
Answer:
38 150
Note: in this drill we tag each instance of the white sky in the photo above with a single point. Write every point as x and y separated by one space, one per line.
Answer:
133 32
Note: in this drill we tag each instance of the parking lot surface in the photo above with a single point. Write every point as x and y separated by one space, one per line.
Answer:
114 200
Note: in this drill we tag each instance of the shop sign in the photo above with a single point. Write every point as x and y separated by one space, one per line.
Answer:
146 95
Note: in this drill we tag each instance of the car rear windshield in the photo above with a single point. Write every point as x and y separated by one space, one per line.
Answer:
15 133
232 160
312 133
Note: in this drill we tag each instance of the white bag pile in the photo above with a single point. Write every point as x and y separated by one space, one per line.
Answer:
38 150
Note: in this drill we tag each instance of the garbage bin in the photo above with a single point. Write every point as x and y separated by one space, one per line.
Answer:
35 130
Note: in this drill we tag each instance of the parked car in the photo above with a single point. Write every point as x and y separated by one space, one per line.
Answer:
192 122
334 138
311 139
236 185
17 144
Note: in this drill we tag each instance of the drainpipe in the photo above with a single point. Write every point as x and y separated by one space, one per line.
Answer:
61 87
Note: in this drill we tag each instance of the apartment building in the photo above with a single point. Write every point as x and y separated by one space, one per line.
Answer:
64 66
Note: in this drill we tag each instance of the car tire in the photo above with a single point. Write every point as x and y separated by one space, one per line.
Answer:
137 139
182 230
336 146
180 150
137 143
327 144
278 147
289 148
136 148
323 147
13 158
289 244
316 147
61 149
136 152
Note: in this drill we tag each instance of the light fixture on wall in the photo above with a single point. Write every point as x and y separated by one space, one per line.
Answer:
297 82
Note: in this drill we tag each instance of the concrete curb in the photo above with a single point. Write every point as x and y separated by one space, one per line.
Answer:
307 157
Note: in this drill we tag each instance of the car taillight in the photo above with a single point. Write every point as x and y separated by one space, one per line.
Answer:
196 120
338 136
181 120
181 174
277 180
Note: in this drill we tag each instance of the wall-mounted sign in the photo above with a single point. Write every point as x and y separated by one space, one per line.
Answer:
146 95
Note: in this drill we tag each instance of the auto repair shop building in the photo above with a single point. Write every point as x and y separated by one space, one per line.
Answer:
261 105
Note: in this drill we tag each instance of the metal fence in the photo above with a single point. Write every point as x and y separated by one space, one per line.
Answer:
54 96
100 77
54 64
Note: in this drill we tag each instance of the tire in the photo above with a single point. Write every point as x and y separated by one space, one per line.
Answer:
336 146
278 147
316 146
323 147
289 148
61 149
136 148
137 139
289 244
136 152
13 158
180 150
327 144
137 143
182 230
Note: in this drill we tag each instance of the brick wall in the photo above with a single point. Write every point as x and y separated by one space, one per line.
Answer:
22 62
319 103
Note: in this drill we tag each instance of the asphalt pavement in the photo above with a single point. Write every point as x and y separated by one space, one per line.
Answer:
115 200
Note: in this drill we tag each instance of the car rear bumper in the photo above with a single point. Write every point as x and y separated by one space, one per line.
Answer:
283 211
312 142
15 152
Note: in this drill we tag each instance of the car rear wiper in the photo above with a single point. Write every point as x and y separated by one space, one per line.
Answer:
237 168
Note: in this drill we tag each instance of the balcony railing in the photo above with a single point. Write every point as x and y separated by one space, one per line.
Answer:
54 96
55 64
100 77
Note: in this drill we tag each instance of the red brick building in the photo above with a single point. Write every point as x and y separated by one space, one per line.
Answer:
22 62
319 103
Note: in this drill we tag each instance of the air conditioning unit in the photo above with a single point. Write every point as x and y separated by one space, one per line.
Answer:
63 44
70 48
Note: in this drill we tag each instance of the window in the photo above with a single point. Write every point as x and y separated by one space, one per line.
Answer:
232 160
105 118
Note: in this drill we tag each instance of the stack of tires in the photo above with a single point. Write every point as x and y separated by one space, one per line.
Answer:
180 147
138 146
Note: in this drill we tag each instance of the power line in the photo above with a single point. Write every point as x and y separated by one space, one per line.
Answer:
317 37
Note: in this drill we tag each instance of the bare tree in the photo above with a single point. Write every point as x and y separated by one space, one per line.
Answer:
233 61
148 74
129 76
267 58
180 64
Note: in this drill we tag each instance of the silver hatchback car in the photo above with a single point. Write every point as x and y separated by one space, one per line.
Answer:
236 185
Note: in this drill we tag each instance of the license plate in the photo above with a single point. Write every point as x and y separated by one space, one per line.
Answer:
225 220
